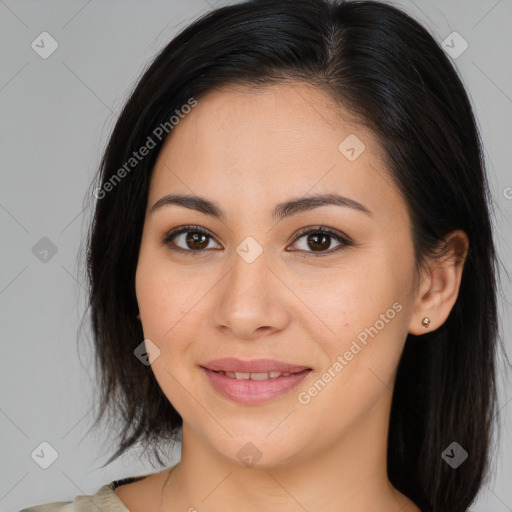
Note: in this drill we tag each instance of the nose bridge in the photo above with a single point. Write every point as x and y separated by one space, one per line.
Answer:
250 264
250 274
249 298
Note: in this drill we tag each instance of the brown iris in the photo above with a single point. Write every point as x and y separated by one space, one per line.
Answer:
195 238
315 239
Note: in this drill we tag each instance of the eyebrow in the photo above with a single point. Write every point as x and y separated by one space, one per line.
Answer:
281 210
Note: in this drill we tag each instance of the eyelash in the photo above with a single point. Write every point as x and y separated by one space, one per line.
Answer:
344 241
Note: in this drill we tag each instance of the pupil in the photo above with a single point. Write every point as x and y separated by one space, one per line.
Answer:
192 239
315 238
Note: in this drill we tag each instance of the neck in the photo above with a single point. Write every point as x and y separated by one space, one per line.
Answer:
350 476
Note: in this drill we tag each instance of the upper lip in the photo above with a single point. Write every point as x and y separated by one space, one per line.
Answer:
231 364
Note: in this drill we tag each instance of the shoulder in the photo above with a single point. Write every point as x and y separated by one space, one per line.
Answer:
57 506
104 499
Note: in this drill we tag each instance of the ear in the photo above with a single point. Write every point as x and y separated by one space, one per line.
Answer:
439 284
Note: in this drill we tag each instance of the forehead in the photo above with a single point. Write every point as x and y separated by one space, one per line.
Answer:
273 143
293 121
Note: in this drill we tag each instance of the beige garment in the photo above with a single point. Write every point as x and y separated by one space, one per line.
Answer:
104 500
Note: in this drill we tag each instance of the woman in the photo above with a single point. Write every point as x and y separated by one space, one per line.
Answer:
292 267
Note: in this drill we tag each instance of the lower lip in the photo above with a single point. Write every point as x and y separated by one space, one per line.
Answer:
247 391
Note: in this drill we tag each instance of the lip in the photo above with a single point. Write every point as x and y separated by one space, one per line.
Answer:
232 364
250 392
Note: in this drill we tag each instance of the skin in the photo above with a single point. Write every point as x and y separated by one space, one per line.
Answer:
248 150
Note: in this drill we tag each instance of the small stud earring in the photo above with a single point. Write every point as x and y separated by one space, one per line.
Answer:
426 322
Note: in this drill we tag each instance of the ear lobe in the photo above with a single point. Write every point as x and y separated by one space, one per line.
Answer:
439 286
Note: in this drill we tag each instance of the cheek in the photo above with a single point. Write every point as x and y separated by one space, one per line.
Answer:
166 317
157 296
364 311
349 298
163 309
159 285
170 307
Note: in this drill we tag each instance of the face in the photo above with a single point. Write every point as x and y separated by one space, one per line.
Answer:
258 281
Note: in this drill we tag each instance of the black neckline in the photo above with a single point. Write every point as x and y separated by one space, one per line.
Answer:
123 481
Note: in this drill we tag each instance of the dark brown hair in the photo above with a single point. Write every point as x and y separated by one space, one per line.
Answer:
388 71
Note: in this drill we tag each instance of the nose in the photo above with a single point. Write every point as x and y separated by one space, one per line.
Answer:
251 301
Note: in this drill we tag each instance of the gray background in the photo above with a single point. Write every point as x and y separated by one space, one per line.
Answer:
56 114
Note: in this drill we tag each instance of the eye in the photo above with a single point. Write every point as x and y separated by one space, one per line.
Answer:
194 238
319 238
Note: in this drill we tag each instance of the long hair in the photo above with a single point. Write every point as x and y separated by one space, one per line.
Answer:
388 71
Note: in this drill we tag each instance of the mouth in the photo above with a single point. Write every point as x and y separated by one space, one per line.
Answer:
255 387
257 375
232 365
